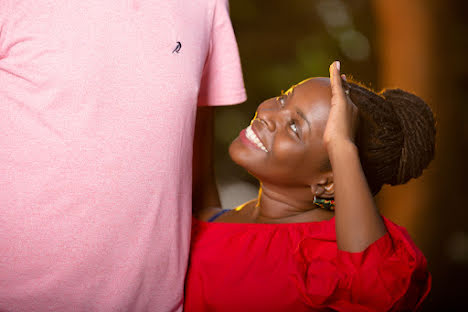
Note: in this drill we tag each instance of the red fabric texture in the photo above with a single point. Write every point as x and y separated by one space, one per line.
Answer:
298 267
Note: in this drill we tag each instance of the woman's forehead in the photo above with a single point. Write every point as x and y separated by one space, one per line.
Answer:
311 90
313 82
313 97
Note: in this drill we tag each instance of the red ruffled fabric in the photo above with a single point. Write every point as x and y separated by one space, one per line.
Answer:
390 275
297 267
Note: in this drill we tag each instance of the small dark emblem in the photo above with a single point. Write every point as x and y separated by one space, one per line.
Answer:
178 47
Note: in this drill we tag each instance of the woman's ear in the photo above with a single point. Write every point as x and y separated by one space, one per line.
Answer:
324 187
329 190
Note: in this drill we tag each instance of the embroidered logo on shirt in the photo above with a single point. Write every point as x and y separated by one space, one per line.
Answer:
178 47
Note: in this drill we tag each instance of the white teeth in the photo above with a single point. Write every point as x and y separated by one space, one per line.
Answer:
250 134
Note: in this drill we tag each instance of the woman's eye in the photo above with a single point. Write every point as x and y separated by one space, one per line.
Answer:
293 127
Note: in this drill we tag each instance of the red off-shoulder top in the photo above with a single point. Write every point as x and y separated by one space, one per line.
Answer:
298 267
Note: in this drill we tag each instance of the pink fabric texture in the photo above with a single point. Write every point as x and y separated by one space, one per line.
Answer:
97 111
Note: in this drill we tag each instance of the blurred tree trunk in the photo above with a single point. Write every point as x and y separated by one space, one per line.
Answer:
422 47
404 60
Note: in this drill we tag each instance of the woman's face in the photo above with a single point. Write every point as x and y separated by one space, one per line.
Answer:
283 144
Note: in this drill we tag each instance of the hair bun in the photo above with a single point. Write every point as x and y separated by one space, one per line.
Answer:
418 129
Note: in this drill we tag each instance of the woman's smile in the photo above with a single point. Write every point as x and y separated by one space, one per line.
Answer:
252 138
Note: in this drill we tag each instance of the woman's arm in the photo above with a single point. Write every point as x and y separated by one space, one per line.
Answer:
204 189
357 220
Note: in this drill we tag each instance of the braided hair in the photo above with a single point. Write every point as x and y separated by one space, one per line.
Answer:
396 135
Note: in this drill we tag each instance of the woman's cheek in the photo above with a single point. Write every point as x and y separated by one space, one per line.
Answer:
287 153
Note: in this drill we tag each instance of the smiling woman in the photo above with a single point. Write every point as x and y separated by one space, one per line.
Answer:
285 251
291 129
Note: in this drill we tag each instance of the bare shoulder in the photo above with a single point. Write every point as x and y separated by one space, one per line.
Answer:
240 214
206 213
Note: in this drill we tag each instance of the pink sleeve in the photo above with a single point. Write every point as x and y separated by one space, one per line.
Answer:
5 11
390 275
222 81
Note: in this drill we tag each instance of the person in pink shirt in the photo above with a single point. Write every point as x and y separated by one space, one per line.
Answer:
98 101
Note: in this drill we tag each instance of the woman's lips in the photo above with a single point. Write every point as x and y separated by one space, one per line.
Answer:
249 137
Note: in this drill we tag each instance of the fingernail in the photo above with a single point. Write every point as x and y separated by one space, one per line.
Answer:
344 77
338 65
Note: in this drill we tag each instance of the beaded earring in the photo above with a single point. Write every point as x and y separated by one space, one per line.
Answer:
327 204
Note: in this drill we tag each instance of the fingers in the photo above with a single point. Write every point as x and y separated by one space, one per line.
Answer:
335 79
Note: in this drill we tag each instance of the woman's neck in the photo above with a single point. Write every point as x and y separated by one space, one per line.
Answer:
281 205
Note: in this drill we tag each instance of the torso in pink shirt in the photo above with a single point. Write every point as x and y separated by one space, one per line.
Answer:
97 109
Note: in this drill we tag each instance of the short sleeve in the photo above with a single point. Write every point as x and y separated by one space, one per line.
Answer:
390 275
5 11
222 81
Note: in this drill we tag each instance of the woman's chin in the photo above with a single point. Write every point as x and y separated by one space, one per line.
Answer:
235 152
242 155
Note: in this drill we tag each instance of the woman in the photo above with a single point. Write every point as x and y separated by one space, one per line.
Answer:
291 249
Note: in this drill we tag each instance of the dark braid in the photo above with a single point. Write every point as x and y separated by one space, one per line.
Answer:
396 135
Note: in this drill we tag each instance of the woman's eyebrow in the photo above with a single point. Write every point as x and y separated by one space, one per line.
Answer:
301 113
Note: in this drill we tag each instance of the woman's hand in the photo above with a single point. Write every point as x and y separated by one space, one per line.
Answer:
342 119
357 220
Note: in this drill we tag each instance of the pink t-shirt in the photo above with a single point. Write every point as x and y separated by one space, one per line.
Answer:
97 110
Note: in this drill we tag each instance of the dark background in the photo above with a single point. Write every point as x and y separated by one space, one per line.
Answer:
418 45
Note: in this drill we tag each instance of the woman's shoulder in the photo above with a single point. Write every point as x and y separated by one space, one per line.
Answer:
239 214
207 213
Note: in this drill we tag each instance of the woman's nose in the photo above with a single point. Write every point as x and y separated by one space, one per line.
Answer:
269 123
268 114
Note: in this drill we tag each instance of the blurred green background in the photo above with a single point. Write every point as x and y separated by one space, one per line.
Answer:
420 46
